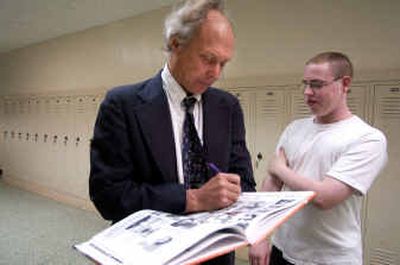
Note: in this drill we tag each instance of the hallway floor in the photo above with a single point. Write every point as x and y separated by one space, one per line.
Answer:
35 230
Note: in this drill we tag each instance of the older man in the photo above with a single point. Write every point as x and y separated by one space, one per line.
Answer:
154 141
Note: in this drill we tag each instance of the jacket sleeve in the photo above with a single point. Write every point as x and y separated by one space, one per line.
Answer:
240 161
123 178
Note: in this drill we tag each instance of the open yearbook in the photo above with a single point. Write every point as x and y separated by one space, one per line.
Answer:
154 237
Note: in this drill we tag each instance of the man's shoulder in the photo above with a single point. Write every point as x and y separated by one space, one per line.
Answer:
122 90
129 91
221 94
368 130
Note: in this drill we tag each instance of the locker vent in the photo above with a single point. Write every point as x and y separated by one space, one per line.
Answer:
270 106
382 257
356 100
299 108
391 107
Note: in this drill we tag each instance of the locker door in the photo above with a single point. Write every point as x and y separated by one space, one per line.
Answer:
82 113
42 138
357 100
66 151
269 121
297 108
382 223
19 154
28 144
3 132
52 160
7 136
35 145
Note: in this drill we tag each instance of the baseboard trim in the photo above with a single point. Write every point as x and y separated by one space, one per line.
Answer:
50 193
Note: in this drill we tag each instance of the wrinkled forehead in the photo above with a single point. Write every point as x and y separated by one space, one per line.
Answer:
215 36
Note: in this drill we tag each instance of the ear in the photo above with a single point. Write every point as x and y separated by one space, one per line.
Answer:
174 44
346 81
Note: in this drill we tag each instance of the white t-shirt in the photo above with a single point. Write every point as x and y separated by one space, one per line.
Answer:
350 151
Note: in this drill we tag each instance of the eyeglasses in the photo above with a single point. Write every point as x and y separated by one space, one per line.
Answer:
316 84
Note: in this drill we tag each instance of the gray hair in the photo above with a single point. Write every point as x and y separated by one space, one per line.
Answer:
183 22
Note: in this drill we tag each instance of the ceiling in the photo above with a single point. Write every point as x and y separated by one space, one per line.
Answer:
25 22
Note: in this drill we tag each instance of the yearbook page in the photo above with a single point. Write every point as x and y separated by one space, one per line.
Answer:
154 237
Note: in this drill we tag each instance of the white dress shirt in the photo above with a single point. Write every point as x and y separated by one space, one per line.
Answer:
175 94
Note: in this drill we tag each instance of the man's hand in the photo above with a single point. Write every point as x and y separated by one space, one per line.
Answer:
259 253
219 192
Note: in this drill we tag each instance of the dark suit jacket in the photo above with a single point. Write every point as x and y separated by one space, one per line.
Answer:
133 161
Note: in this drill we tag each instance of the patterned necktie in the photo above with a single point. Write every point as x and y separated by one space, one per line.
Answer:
194 164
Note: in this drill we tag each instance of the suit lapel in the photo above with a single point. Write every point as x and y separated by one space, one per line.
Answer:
216 129
155 121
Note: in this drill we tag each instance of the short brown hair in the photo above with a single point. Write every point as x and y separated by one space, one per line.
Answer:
340 63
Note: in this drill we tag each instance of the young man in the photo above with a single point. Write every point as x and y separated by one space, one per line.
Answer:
333 153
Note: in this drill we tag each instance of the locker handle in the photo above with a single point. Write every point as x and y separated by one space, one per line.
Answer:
77 140
259 158
394 89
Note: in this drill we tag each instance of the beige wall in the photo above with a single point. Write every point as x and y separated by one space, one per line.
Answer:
70 73
274 38
104 56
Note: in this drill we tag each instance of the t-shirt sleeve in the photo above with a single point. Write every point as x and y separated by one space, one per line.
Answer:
361 162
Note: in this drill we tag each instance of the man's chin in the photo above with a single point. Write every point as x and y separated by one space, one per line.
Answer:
200 90
315 112
314 108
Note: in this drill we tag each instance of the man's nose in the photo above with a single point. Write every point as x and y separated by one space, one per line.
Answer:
308 90
215 71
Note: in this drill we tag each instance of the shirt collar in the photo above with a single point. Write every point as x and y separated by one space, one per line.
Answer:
172 87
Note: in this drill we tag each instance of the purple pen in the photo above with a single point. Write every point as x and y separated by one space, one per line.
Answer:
214 168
